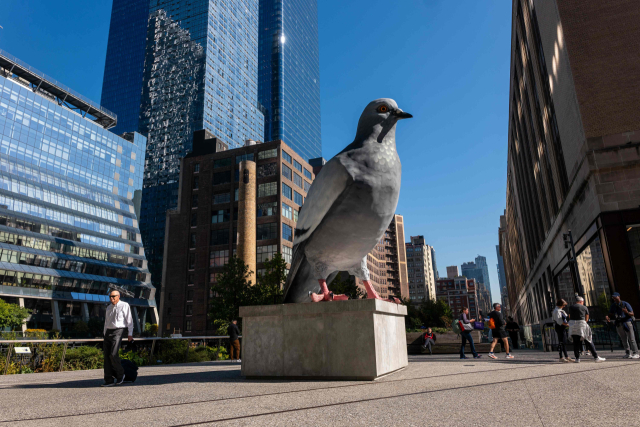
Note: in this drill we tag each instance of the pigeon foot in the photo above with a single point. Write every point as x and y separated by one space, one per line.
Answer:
372 294
325 294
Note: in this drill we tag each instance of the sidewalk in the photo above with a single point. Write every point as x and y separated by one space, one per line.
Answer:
531 390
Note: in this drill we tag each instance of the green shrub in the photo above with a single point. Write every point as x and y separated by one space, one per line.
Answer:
217 353
84 357
172 351
197 356
140 358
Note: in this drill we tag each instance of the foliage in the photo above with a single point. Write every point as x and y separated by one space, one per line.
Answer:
150 330
81 327
140 357
217 353
12 315
172 351
346 286
430 314
221 326
269 287
85 357
604 303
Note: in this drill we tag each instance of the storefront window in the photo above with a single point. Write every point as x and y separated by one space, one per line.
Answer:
593 274
565 288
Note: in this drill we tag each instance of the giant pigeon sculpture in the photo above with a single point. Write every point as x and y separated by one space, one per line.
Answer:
348 208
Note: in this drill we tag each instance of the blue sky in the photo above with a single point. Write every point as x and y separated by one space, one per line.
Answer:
446 62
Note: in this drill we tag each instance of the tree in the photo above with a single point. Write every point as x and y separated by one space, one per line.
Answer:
428 314
346 286
231 290
270 283
12 315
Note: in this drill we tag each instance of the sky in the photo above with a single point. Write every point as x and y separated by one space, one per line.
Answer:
446 62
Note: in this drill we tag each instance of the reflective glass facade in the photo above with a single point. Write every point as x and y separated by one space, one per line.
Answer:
289 74
122 82
68 229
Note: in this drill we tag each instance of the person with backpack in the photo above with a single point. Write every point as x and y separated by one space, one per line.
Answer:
465 333
429 340
561 325
499 332
622 314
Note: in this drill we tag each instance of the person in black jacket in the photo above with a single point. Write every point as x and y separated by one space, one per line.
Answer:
234 334
512 328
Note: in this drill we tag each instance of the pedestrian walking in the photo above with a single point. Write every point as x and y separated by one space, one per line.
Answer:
499 332
466 335
117 319
234 337
429 340
561 325
623 319
513 329
580 331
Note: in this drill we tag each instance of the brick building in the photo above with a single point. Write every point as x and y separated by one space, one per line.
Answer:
573 156
387 263
458 292
202 231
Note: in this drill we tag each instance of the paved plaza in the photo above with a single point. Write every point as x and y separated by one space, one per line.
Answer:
531 390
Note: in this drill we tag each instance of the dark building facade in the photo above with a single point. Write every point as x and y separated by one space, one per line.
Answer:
457 293
202 230
573 165
289 74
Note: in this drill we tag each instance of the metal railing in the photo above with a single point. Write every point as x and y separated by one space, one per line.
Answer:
10 344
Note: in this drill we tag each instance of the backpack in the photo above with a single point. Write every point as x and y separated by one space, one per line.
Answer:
491 323
456 327
130 370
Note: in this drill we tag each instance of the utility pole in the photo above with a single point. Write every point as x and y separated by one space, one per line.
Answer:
568 244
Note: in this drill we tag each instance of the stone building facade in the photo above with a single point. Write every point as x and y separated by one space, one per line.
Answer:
574 155
422 280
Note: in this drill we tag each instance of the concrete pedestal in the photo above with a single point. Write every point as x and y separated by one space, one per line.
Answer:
344 340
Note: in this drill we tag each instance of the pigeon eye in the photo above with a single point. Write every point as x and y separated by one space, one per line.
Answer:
383 109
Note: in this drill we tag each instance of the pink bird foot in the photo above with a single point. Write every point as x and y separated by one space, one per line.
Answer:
372 294
325 294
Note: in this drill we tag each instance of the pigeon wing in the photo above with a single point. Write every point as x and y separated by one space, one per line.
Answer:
329 184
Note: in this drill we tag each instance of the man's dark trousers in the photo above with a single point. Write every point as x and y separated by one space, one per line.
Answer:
112 366
577 346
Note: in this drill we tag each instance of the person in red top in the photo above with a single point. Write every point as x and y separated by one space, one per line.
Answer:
429 340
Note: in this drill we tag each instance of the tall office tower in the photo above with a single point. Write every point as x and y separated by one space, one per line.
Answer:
124 65
452 272
289 74
200 71
387 263
504 296
573 138
478 270
422 282
68 227
481 262
433 260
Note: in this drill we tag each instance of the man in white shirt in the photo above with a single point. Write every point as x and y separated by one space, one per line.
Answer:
117 319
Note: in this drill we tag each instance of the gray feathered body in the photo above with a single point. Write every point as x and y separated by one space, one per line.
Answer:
347 210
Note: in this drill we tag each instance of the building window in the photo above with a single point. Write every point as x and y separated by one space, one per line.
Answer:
267 231
220 178
243 157
190 295
297 165
212 278
187 326
268 169
267 209
196 168
287 233
194 219
297 180
287 252
220 216
307 174
265 253
286 172
297 198
189 310
295 215
220 237
235 197
307 186
194 184
218 258
220 163
268 189
192 261
268 154
286 191
194 201
286 156
192 241
287 211
190 279
221 198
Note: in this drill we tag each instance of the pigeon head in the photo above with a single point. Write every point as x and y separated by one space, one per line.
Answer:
380 117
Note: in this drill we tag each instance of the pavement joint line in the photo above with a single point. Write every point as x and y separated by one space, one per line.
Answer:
373 399
534 406
323 388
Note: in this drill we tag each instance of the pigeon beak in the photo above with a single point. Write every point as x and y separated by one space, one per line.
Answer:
401 114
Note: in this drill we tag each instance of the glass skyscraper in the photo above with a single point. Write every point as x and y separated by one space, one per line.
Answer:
68 227
200 71
289 74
